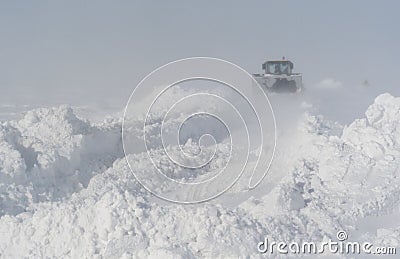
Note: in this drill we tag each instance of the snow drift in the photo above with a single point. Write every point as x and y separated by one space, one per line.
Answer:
67 191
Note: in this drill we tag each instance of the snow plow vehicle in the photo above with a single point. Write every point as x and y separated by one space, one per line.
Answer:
278 76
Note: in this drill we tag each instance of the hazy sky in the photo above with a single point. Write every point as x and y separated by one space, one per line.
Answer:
97 51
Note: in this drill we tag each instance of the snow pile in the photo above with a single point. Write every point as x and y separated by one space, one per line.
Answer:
50 154
67 191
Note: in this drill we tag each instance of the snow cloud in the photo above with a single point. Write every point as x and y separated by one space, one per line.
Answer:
329 83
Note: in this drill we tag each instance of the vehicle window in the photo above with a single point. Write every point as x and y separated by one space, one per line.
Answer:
273 68
284 68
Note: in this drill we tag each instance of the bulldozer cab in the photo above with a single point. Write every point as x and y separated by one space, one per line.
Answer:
278 76
278 67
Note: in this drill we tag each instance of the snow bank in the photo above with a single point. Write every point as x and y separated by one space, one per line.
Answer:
66 191
50 154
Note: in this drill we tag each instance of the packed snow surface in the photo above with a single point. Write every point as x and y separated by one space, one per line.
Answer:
66 191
